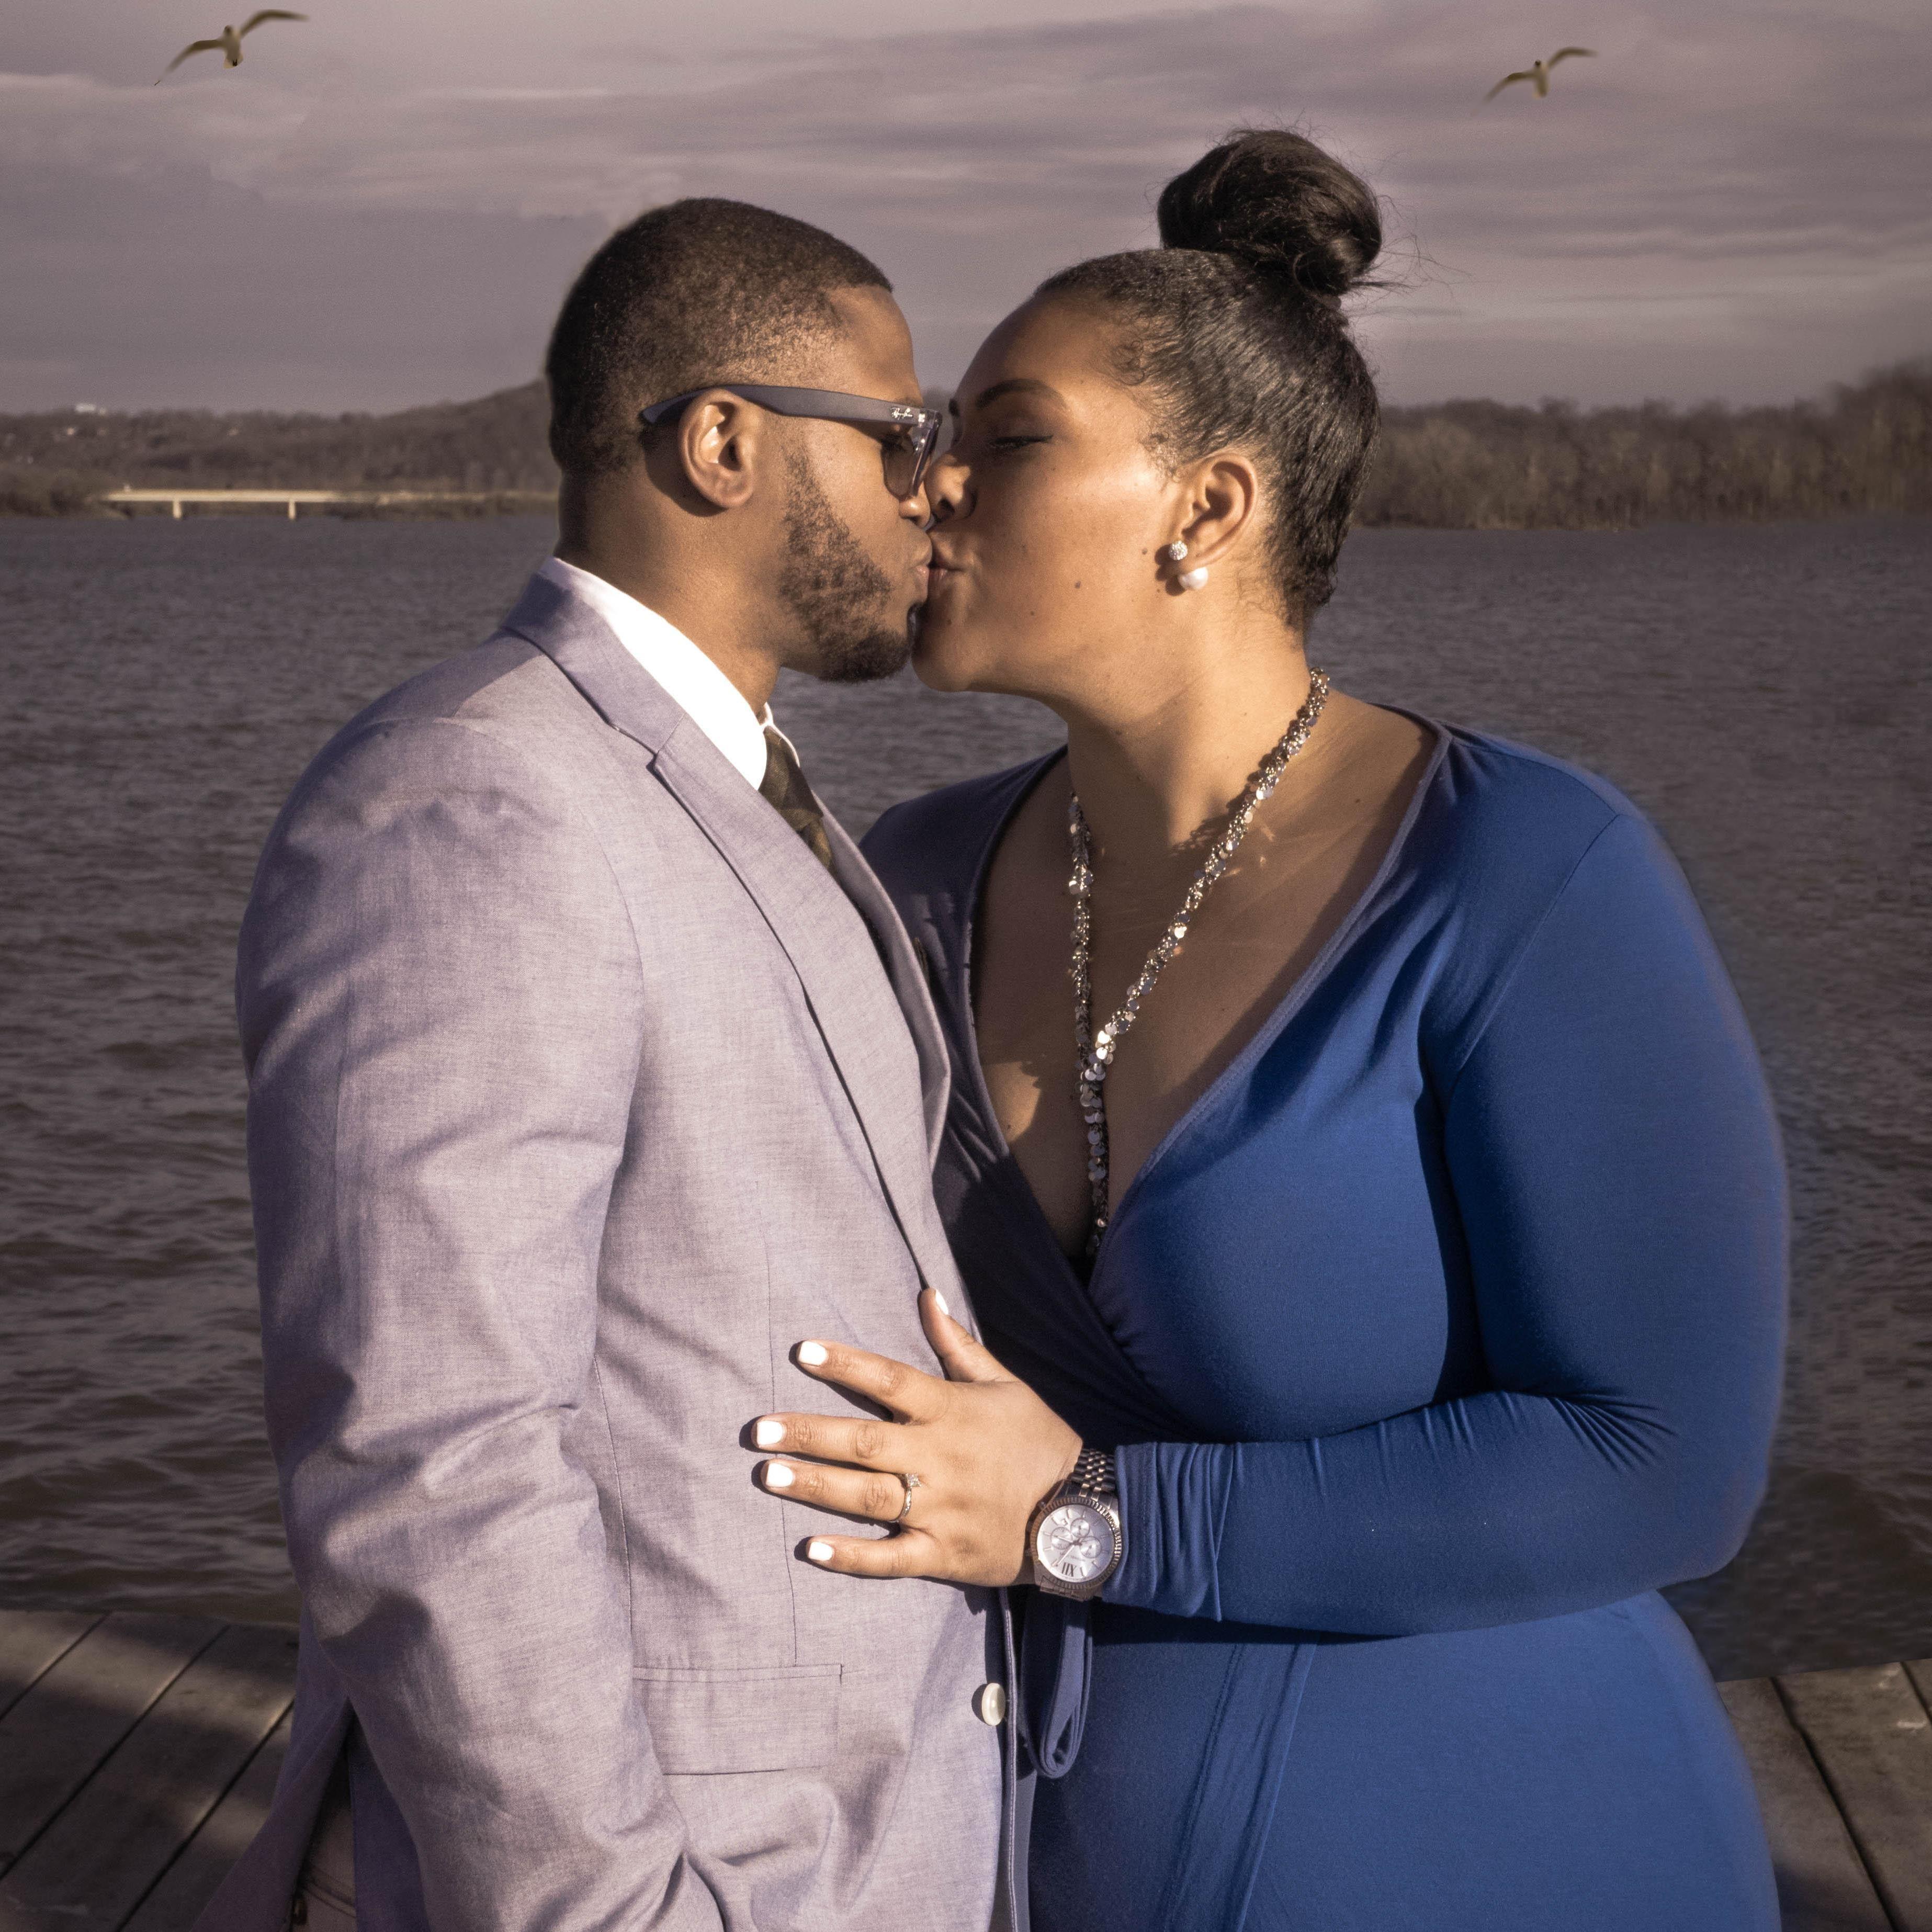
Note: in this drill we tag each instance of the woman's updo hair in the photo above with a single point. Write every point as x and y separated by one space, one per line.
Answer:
1234 326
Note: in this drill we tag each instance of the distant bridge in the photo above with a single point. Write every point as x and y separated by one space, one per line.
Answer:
132 499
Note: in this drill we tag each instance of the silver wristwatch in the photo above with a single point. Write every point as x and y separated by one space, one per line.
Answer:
1076 1536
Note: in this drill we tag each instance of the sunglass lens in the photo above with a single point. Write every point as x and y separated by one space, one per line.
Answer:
906 456
901 460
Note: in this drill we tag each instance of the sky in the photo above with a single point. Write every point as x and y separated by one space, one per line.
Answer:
383 205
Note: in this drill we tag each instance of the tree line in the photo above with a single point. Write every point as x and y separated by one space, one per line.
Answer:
1865 449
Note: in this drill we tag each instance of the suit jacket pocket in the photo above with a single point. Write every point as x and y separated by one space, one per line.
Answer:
783 1719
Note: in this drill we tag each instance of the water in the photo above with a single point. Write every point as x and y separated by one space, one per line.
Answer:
1761 692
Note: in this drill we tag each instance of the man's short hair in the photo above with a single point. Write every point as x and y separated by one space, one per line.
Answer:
697 292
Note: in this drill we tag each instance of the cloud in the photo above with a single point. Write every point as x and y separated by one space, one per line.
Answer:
1726 188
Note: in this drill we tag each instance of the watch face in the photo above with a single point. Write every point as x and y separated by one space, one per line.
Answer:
1075 1542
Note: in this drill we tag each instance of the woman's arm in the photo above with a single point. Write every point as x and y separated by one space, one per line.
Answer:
1616 1166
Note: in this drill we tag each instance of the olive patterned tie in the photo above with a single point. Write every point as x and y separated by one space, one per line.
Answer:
785 787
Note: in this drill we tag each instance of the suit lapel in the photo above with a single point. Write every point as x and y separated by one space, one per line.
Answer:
821 922
905 967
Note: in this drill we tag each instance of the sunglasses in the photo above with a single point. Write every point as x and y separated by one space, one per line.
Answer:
911 433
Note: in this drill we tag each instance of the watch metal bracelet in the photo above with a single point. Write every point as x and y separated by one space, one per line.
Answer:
1093 1474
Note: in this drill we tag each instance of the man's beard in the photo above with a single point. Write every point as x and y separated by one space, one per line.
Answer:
841 598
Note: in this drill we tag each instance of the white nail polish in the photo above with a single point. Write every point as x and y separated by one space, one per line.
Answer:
819 1553
768 1434
943 1309
778 1476
813 1354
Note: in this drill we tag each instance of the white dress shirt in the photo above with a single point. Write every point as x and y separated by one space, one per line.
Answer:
699 689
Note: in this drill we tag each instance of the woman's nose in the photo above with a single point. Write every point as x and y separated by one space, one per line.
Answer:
945 485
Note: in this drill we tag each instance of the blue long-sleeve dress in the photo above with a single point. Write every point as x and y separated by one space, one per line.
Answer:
1439 1333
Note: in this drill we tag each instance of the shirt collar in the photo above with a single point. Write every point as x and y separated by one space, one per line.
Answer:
692 681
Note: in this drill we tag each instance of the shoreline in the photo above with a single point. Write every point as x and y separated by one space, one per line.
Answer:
1865 448
419 505
289 501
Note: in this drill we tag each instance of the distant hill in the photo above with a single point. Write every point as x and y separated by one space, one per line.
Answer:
1865 449
57 464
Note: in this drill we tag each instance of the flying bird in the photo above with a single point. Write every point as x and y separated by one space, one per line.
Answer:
228 42
1537 72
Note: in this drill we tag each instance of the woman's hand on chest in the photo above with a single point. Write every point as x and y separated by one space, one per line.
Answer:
957 1471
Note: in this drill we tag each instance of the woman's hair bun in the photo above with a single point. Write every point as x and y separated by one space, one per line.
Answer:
1279 203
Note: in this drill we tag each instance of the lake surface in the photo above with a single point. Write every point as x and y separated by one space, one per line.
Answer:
1763 693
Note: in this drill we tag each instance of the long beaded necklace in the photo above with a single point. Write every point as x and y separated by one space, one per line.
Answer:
1097 1047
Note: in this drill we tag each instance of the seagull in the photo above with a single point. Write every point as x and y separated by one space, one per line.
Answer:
228 42
1537 72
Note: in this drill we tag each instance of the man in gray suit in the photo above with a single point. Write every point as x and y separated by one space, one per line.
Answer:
589 1070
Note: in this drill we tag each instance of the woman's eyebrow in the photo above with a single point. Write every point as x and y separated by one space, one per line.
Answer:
1012 386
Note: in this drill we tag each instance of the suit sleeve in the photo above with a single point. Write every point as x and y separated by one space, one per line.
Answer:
440 1002
1616 1169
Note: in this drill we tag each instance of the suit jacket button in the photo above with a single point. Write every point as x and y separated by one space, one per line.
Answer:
989 1703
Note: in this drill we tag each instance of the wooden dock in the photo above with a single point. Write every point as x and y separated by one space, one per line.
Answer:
1843 1760
137 1755
138 1751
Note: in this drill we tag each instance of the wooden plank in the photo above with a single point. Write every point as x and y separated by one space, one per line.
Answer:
32 1641
192 1880
101 1857
1823 1885
55 1737
1873 1739
1920 1674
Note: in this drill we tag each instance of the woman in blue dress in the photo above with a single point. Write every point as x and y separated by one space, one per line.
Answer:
1377 1247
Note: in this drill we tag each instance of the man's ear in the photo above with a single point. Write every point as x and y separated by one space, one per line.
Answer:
719 447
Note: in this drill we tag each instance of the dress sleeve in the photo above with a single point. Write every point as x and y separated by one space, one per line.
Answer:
1615 1165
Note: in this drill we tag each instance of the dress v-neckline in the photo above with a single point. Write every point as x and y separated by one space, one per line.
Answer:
1251 1050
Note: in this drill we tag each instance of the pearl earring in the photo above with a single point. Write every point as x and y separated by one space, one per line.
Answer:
1188 579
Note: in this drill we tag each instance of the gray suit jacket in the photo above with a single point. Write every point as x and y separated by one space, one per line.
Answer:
579 1093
